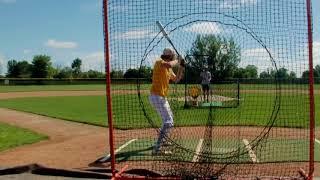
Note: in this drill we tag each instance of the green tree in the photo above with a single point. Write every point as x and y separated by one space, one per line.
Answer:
12 69
145 72
239 73
282 73
116 74
251 71
142 72
40 66
53 72
92 74
305 74
76 67
292 75
66 72
20 69
269 74
24 68
221 55
131 73
317 69
265 75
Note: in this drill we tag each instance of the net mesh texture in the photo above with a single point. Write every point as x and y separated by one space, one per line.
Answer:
253 121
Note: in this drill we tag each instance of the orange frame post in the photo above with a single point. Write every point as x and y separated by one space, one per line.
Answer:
311 93
108 85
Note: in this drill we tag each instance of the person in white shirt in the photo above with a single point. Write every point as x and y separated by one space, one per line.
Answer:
205 83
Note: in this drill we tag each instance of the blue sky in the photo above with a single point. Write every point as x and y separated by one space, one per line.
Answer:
67 29
63 30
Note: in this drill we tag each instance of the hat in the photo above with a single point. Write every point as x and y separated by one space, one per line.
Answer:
168 52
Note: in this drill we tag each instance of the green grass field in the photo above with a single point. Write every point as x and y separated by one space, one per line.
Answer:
89 87
101 87
255 110
30 88
11 137
85 109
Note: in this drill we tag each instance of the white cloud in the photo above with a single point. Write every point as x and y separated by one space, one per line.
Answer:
316 53
258 57
229 4
60 44
253 52
26 51
204 28
135 34
2 64
7 1
94 56
93 61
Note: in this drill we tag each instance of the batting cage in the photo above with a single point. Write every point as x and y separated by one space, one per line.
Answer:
238 104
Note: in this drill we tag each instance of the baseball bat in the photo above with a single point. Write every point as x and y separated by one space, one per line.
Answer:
165 34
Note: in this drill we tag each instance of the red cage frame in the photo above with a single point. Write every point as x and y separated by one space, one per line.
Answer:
109 99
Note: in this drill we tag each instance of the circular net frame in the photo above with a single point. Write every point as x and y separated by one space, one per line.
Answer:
254 125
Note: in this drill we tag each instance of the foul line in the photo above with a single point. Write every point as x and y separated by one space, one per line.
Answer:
117 150
317 140
250 151
196 156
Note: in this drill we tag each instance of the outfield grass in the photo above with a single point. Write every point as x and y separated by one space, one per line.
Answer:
282 86
255 110
101 87
11 136
30 88
89 87
85 109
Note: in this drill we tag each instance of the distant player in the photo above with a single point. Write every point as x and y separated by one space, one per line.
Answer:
162 74
205 83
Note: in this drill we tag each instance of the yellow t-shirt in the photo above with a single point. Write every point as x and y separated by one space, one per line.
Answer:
160 79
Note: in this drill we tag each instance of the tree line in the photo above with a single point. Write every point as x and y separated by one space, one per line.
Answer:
248 72
41 67
222 58
219 54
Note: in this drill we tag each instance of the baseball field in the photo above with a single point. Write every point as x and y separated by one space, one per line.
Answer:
91 109
86 104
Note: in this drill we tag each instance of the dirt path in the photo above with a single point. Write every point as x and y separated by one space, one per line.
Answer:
70 145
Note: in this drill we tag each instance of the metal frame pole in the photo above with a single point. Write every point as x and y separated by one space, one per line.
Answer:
108 85
311 93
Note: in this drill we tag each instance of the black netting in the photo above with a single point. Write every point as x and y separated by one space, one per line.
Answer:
254 119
